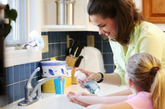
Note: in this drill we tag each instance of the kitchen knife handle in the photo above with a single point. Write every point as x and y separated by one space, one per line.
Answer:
78 61
73 48
79 51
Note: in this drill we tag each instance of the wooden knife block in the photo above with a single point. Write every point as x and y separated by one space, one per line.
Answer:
71 61
74 79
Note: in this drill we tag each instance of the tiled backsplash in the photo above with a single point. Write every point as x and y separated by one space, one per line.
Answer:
17 76
57 46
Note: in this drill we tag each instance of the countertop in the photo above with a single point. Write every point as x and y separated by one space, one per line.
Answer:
104 90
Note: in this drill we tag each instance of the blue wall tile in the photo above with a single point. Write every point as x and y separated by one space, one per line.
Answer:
10 94
16 73
58 58
97 36
109 68
27 70
5 75
44 33
22 90
51 37
108 58
83 43
72 35
37 64
50 51
98 45
33 67
16 91
53 50
57 49
63 58
55 37
22 72
83 35
10 75
63 48
106 47
63 36
44 55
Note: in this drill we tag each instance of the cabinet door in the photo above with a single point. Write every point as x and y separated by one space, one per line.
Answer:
154 10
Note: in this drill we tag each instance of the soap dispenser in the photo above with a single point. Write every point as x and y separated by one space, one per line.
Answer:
91 86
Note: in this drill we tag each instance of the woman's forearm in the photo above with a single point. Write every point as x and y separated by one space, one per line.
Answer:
112 78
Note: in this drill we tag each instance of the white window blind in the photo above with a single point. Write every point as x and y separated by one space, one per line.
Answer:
18 31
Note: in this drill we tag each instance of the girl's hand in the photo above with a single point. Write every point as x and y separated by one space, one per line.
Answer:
87 94
72 97
91 75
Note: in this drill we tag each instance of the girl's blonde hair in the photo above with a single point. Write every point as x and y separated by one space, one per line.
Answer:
145 71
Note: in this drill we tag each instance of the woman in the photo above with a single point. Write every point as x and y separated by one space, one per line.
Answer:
128 34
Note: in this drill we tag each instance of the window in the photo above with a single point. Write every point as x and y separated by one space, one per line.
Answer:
18 31
29 11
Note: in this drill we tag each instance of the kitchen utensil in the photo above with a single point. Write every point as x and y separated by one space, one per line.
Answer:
73 49
74 79
79 51
70 58
78 61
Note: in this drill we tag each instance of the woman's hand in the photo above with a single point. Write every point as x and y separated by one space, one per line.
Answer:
72 97
91 75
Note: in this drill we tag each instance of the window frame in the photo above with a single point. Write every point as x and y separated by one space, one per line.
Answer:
14 57
17 36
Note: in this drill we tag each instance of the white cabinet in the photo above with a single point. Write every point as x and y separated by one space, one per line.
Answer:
81 18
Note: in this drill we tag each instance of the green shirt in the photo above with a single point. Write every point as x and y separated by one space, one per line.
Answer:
145 37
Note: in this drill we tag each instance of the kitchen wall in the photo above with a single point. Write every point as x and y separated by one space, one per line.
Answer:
57 46
17 76
15 80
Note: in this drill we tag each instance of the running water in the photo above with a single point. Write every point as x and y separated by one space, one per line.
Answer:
61 82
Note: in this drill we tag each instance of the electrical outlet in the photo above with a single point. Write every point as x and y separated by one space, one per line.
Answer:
68 43
46 47
90 40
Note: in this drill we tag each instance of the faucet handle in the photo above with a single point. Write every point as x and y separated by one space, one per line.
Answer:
35 71
28 86
32 75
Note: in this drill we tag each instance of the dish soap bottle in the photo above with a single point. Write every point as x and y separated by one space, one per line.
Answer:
91 86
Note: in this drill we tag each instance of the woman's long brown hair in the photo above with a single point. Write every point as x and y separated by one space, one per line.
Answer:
125 12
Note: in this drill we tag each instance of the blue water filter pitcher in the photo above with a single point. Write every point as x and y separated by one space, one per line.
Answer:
57 84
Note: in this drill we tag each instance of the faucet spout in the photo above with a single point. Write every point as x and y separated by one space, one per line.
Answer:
41 81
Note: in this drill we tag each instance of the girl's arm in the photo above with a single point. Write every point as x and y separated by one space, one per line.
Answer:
101 99
121 93
122 105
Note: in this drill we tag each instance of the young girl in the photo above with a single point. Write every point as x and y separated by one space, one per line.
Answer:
144 74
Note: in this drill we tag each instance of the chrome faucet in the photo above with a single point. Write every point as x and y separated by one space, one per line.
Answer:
30 96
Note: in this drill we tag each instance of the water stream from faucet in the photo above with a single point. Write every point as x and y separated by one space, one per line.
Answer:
61 82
